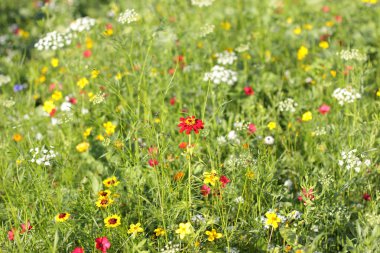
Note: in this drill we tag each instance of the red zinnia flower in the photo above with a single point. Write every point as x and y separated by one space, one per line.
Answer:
172 101
153 162
190 124
78 250
324 109
73 100
52 112
366 197
306 195
205 190
251 128
248 91
102 244
25 228
87 53
224 180
182 145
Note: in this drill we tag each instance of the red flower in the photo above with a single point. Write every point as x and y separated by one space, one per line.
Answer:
224 180
172 101
366 197
108 26
102 244
73 100
52 112
339 19
153 162
190 124
205 190
78 250
306 195
325 9
25 228
87 53
251 128
11 234
153 151
323 109
248 91
171 71
182 145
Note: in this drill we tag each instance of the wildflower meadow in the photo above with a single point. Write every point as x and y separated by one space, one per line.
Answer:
205 126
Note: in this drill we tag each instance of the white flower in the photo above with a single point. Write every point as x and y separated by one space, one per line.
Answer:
202 3
226 58
82 24
351 161
54 40
45 157
242 48
220 75
206 30
352 54
221 140
346 95
287 105
232 136
239 200
66 106
4 79
268 140
288 183
128 16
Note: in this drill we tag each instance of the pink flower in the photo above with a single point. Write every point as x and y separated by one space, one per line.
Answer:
366 197
25 228
78 250
205 190
251 128
224 180
307 194
153 162
248 91
325 9
11 234
324 109
102 244
87 53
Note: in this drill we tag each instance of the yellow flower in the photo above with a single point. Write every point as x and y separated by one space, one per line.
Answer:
184 229
111 181
378 93
109 127
82 147
118 76
61 217
103 202
112 221
87 132
250 175
42 79
329 23
94 73
212 235
199 44
333 73
157 120
108 32
302 53
83 82
272 125
54 62
272 219
57 95
210 177
370 1
134 229
297 31
44 70
89 43
289 20
99 137
226 25
307 116
324 44
160 231
104 194
308 27
48 106
17 137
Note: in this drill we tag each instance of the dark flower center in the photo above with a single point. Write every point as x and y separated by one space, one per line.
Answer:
112 221
62 215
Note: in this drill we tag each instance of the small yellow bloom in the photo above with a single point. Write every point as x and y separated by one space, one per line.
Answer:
94 73
109 127
103 202
302 53
83 147
87 132
112 221
61 217
225 25
210 177
212 235
118 76
83 82
329 23
200 44
108 32
308 27
307 116
378 93
44 70
42 79
134 229
89 43
184 229
324 44
272 125
289 20
272 219
250 175
57 95
333 73
99 137
157 120
17 137
48 106
297 31
160 231
54 62
110 182
104 194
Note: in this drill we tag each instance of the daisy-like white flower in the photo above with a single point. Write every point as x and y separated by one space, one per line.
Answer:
128 16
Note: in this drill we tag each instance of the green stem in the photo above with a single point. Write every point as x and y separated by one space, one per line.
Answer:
189 176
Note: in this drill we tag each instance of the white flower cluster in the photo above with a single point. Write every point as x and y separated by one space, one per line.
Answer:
128 16
226 58
82 24
219 74
242 48
351 161
206 30
42 156
240 126
287 105
53 41
202 3
345 95
171 248
352 54
319 131
4 79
